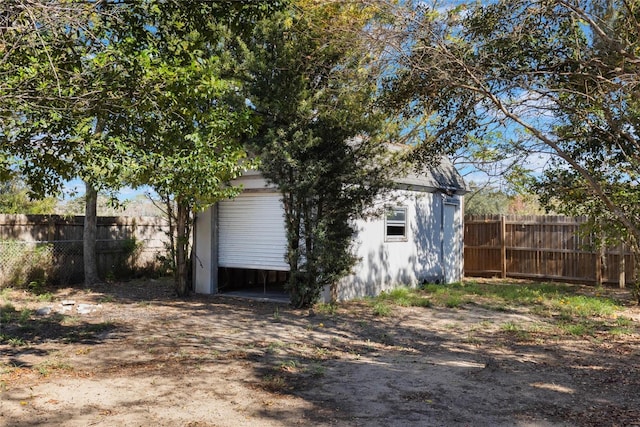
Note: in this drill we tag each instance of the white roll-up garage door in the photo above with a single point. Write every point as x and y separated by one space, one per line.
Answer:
252 232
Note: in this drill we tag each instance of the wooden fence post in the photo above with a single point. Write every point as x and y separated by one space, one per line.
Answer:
503 246
599 255
622 274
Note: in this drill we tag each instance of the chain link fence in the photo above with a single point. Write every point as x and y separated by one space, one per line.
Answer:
61 262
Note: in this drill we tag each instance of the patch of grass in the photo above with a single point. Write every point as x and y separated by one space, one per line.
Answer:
45 297
289 366
12 341
70 320
321 353
316 370
454 301
624 321
7 313
4 293
510 327
516 330
381 309
274 347
584 306
25 316
16 342
544 299
406 297
579 328
621 330
472 339
47 367
106 298
100 327
329 309
36 287
274 383
451 296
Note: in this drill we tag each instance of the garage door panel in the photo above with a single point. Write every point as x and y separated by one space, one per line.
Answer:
252 232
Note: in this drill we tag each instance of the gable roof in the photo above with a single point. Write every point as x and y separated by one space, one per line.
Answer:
442 177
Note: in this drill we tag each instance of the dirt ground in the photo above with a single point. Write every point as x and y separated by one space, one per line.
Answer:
141 357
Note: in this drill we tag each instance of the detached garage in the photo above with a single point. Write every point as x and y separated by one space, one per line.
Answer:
241 243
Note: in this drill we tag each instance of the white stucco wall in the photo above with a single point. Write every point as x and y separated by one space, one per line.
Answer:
386 264
383 264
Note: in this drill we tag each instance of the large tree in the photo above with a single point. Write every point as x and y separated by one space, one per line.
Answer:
193 117
142 92
64 88
314 86
559 76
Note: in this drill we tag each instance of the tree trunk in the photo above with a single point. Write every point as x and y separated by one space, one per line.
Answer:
182 242
172 231
90 235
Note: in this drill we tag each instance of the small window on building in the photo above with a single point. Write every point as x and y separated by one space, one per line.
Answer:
396 223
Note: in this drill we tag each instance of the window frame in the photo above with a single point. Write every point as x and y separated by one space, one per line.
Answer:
395 223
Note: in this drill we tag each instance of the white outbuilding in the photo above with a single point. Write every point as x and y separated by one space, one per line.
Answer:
416 237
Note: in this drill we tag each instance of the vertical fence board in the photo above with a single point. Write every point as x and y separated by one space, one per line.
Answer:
542 247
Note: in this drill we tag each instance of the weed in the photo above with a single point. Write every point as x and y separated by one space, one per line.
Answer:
454 301
70 320
276 315
624 321
517 331
621 330
7 312
472 339
577 328
316 370
100 327
16 342
381 309
36 287
45 368
273 347
486 324
274 383
181 355
321 353
584 306
510 327
45 297
405 297
25 316
327 308
106 298
289 366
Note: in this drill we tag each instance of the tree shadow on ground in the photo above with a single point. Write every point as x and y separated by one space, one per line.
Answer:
418 366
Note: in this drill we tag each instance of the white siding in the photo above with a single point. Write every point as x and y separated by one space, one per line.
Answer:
252 232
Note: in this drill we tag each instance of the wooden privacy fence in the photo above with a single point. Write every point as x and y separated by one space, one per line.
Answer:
540 247
48 248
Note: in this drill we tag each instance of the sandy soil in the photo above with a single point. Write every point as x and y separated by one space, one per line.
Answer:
144 358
